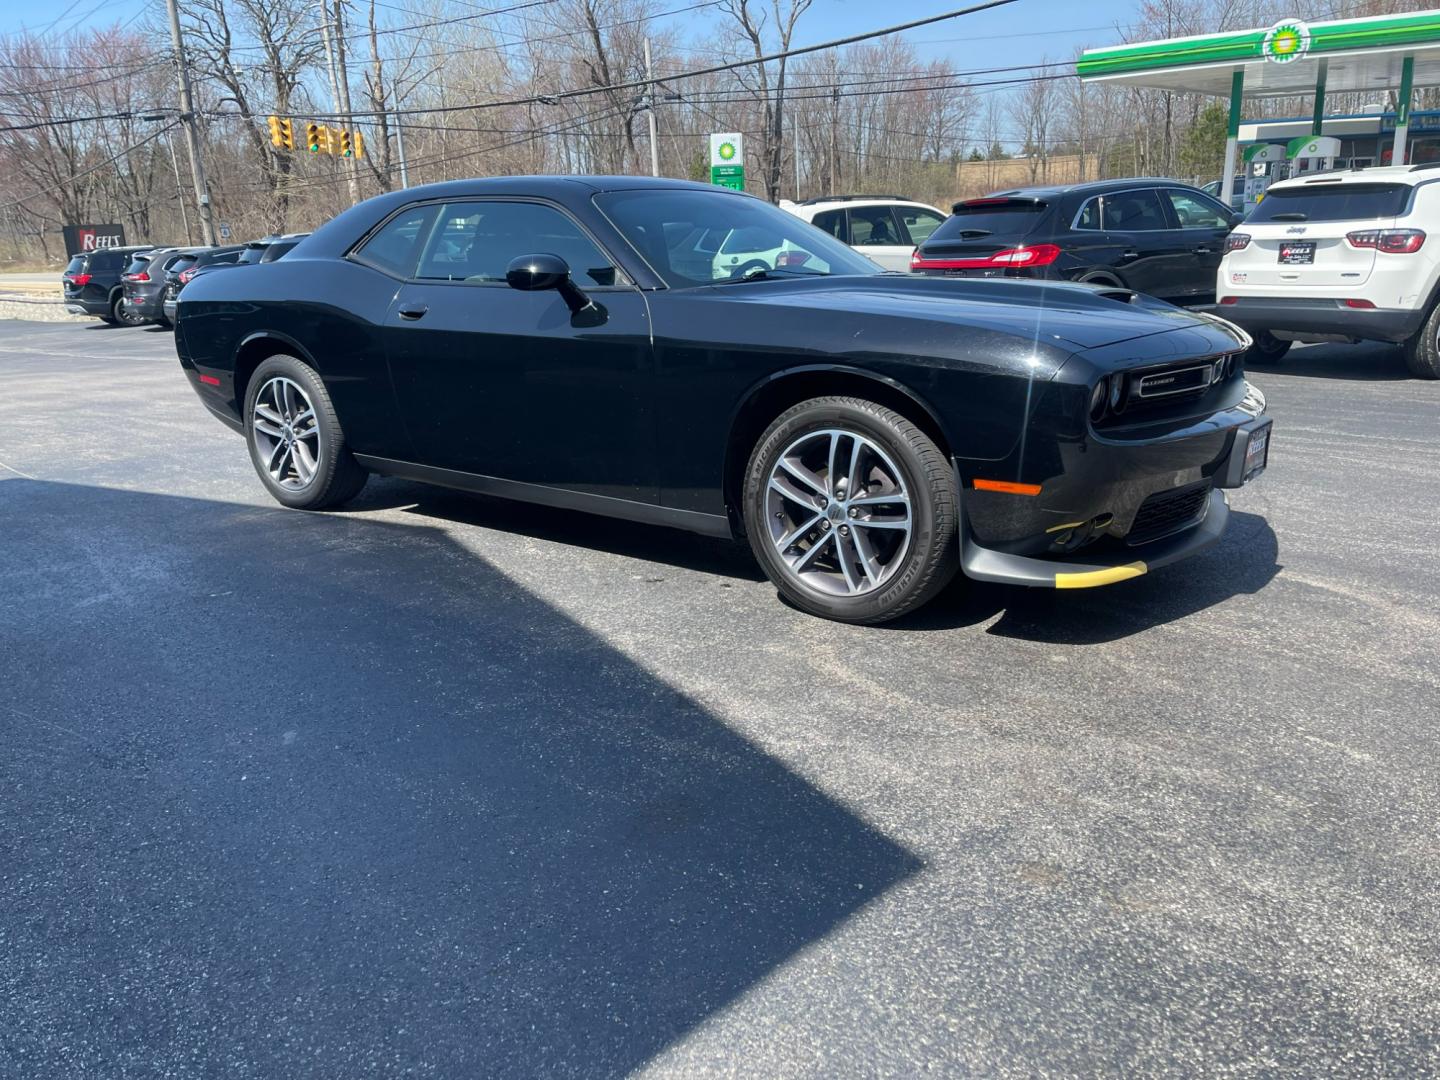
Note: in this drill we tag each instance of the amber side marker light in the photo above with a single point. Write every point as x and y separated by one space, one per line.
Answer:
1007 487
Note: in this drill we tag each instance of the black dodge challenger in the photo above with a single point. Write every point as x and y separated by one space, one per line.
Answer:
683 355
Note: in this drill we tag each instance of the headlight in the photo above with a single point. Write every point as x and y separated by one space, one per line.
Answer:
1117 392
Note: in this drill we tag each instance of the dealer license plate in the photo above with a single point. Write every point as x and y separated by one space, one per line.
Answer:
1297 252
1257 454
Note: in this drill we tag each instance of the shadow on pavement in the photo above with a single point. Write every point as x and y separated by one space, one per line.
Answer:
287 793
1366 362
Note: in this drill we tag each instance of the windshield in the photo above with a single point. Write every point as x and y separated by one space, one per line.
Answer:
183 263
252 254
77 264
277 250
701 237
1332 202
138 264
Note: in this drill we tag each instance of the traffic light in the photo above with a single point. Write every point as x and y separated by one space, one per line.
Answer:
359 145
346 148
287 134
277 135
312 137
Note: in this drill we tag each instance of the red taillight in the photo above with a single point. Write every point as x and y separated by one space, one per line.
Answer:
185 276
1035 255
1390 241
142 276
1236 241
1229 300
1363 305
78 279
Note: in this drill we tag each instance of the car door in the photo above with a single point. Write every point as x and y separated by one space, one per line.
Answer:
875 232
1205 225
1149 254
916 225
511 384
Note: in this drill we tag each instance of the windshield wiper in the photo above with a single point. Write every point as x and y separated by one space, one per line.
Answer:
772 274
974 234
1290 215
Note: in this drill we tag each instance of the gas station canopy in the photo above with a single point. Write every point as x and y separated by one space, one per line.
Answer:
1290 58
1282 60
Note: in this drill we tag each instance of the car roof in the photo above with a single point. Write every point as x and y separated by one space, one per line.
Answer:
1385 174
1093 187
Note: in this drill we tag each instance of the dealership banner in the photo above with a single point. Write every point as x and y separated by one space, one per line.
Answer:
83 238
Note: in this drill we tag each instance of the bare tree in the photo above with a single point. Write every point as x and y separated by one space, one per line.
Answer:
752 20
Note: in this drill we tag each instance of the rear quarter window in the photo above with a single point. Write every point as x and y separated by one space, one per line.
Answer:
1332 202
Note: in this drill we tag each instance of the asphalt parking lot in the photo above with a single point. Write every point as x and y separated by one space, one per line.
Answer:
446 786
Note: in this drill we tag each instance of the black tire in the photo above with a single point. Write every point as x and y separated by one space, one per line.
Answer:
1107 280
1422 348
337 477
1266 348
922 563
121 313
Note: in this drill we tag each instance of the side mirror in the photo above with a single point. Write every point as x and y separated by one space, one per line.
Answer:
1236 218
533 273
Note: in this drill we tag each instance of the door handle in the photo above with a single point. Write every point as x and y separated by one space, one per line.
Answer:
413 311
1130 253
1203 250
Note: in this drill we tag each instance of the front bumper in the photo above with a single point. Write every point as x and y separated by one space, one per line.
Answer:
1086 572
1321 317
1121 553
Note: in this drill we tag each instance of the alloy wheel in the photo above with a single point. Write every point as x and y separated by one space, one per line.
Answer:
838 512
286 433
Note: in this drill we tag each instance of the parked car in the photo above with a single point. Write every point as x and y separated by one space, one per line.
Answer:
885 228
1341 255
144 281
184 269
92 283
1237 190
866 432
1159 237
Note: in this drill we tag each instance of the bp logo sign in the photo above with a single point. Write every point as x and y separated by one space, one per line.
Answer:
1286 42
727 160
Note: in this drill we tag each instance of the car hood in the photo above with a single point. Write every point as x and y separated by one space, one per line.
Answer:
1065 315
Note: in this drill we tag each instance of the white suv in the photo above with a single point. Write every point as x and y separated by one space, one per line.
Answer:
1339 256
885 228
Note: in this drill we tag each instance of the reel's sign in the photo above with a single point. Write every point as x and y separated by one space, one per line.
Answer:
727 160
82 238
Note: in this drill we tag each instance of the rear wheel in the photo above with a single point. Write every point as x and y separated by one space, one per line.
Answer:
1422 349
296 444
851 510
121 312
1266 348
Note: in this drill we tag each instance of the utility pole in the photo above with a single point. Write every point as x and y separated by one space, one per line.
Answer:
650 111
335 97
795 134
400 144
352 164
187 118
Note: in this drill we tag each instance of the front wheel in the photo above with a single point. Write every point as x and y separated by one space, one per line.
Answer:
1422 348
296 444
1266 348
851 510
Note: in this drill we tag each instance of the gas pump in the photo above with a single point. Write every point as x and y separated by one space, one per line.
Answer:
1312 154
1264 163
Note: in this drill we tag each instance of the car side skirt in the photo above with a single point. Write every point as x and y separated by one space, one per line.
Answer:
562 498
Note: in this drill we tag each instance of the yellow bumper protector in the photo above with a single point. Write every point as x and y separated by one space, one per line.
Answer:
1091 578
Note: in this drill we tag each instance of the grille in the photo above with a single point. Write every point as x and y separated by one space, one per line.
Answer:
1170 388
1168 512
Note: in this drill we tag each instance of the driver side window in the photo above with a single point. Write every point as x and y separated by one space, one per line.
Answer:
475 241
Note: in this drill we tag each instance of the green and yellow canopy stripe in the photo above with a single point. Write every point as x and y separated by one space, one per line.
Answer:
1346 35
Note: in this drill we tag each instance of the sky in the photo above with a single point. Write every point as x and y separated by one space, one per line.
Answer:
999 38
